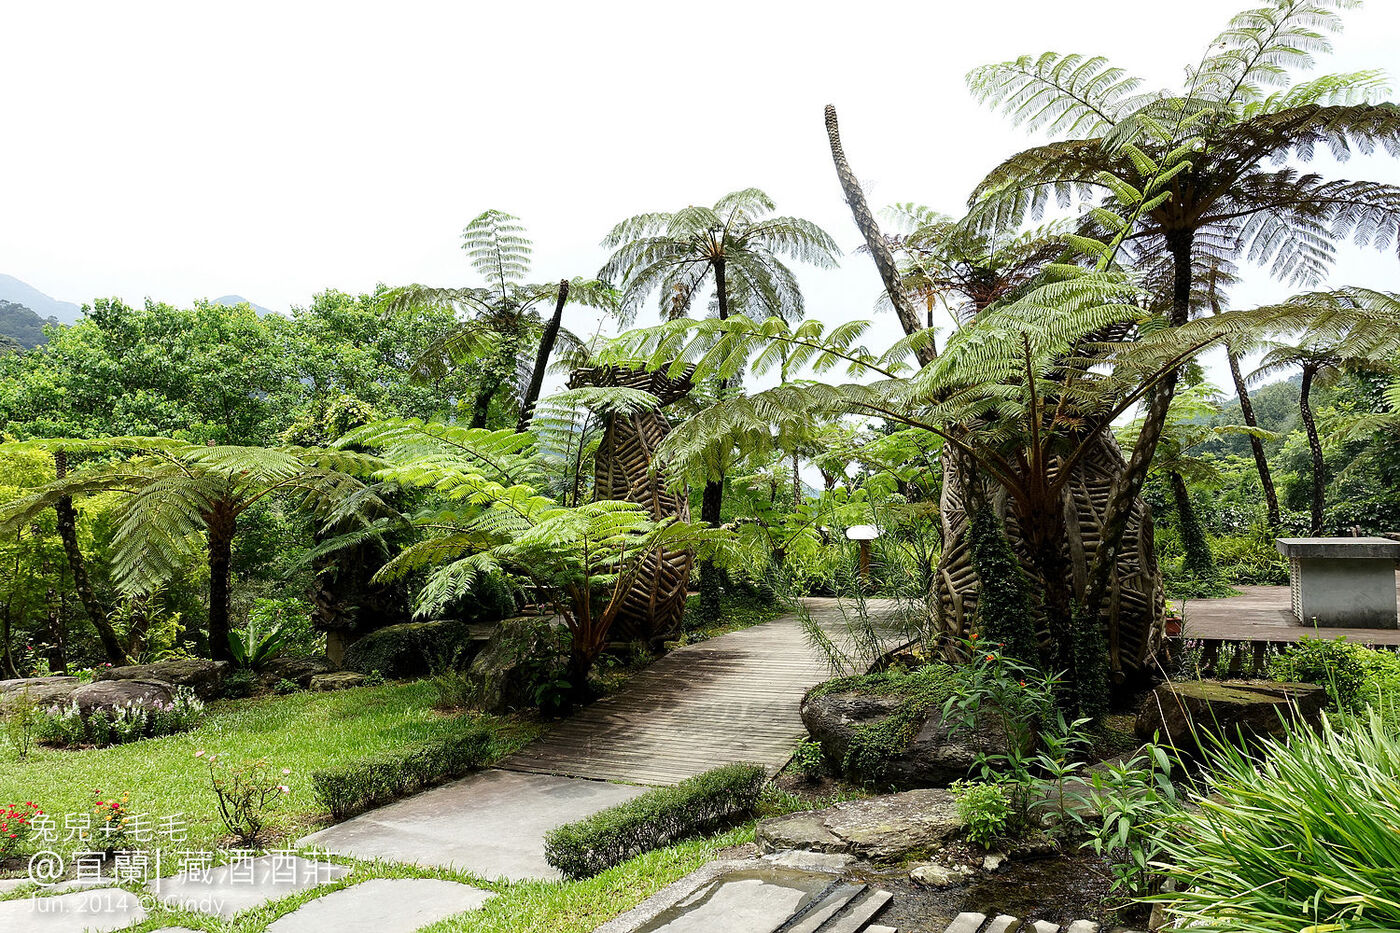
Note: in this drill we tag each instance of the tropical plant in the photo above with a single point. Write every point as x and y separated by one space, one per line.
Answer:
1293 834
494 518
178 493
736 248
1201 164
500 316
1370 339
1179 460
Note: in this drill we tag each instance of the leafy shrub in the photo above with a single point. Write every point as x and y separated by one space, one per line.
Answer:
985 810
67 725
657 818
240 683
807 760
1129 799
1355 676
283 686
22 721
1302 838
357 787
16 823
1250 560
247 793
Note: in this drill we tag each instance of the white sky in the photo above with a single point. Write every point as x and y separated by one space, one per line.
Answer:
179 150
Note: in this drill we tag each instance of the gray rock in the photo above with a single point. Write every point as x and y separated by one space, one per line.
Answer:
42 691
336 680
505 674
881 829
1184 713
298 670
97 910
204 677
383 905
933 875
233 888
993 861
831 862
111 694
937 756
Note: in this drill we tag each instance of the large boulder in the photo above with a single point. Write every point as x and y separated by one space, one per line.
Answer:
413 649
108 695
204 677
299 671
881 829
41 691
936 756
1184 714
518 657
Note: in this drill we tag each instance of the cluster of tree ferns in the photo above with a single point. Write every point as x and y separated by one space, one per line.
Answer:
395 450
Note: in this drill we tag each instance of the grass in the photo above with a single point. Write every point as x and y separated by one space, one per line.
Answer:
302 732
737 611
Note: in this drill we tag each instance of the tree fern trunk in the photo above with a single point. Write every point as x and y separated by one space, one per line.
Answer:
1199 561
547 340
481 404
1261 461
712 502
221 524
1319 466
874 240
68 534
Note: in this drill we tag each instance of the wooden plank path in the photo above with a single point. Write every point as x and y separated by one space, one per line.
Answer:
1264 614
731 698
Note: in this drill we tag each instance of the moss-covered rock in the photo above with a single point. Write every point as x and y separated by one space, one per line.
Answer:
887 730
413 649
1185 715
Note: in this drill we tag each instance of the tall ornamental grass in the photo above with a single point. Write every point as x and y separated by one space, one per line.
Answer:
1304 837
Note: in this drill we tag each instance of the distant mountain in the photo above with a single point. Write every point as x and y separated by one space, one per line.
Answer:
231 300
22 293
22 325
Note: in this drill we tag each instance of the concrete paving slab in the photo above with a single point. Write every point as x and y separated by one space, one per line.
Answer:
383 905
10 884
491 824
751 895
236 887
97 910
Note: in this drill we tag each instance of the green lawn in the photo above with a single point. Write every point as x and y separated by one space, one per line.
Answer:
303 732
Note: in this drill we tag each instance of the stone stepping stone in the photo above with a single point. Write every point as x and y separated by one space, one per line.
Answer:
96 910
10 884
236 887
383 905
491 824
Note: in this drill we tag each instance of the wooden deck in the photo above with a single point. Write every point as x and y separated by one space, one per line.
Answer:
732 698
1262 614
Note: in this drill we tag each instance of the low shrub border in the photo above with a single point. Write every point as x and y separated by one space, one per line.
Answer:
353 788
657 818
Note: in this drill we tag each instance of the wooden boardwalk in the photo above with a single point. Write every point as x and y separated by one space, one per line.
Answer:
732 698
1262 614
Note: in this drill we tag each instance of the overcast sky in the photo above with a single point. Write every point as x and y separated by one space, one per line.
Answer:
272 150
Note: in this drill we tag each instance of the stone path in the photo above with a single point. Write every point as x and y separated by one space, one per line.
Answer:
732 698
97 910
491 824
756 896
236 887
383 905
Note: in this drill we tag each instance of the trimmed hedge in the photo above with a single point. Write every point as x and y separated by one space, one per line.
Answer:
657 818
357 787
